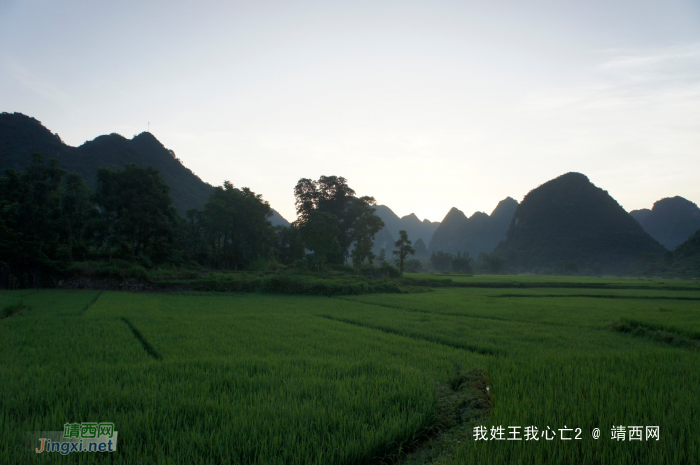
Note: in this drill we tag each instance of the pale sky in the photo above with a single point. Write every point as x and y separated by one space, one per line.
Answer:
423 105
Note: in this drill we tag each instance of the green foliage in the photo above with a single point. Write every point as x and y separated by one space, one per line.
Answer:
296 283
237 227
31 222
441 261
461 263
289 244
403 250
137 216
114 268
413 266
356 225
75 213
490 263
320 234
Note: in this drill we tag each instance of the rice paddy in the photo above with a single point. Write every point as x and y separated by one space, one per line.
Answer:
255 378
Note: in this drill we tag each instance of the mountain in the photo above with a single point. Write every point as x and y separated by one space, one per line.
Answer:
478 233
570 225
20 135
671 221
686 257
420 249
640 215
415 228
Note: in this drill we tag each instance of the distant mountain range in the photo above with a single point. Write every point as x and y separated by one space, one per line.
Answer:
415 228
564 225
671 221
570 225
22 135
478 233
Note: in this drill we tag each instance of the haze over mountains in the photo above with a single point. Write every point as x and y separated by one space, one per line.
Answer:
478 233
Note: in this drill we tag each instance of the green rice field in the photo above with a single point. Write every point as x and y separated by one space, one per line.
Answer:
214 378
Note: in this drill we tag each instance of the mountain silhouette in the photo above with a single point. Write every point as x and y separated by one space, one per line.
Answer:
570 225
671 221
21 135
415 228
686 257
478 233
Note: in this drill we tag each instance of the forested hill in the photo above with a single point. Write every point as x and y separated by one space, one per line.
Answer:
20 135
478 233
570 225
671 221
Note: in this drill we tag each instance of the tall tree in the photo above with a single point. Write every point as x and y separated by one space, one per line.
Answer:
236 223
137 212
403 249
75 207
365 224
441 261
331 194
461 263
30 206
320 234
289 245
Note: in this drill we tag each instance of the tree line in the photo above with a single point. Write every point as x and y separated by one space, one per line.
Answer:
49 218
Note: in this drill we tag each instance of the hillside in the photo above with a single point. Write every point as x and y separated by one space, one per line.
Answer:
478 233
671 221
686 257
570 225
415 228
20 135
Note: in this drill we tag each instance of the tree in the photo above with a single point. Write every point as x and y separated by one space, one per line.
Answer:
403 249
381 258
461 263
320 234
356 222
137 212
75 207
30 221
490 263
237 226
289 245
441 261
192 236
414 266
365 224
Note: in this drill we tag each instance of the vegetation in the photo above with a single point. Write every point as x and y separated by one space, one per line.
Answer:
339 221
403 250
255 378
446 262
55 228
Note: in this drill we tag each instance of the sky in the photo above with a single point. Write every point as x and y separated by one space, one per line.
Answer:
423 105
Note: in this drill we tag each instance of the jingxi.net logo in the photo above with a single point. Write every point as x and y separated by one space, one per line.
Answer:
79 437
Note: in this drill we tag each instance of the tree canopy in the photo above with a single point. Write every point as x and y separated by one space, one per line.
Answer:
356 221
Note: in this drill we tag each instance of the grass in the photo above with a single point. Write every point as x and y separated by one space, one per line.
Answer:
9 310
376 378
